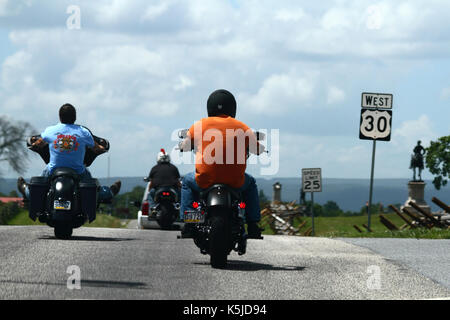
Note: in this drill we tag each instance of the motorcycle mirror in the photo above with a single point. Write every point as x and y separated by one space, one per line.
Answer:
260 135
183 133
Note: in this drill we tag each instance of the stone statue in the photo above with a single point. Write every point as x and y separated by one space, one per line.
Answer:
417 160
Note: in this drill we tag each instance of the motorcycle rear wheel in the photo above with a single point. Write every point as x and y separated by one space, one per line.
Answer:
165 219
219 241
63 231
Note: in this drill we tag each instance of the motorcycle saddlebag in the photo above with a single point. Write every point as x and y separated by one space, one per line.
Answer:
88 198
38 188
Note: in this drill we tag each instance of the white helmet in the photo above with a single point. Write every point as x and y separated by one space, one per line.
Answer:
162 157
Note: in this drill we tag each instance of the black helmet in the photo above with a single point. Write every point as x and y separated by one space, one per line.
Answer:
221 102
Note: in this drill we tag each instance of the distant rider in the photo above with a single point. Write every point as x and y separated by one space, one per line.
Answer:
67 144
163 174
221 107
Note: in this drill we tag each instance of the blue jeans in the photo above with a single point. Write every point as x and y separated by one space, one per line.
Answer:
104 194
190 192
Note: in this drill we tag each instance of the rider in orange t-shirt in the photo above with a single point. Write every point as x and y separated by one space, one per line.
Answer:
221 143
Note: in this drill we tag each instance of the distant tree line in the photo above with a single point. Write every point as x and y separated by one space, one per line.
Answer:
123 204
12 194
332 209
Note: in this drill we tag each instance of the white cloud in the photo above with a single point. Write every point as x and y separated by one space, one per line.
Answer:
10 8
154 11
183 83
337 18
409 132
335 95
445 93
3 7
141 63
281 92
286 15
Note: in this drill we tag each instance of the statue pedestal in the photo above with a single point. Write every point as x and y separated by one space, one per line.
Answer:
416 193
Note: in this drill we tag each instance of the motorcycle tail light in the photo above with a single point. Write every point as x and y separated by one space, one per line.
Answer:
242 205
195 205
145 208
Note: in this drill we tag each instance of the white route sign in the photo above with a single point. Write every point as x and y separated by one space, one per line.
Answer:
376 124
376 100
312 180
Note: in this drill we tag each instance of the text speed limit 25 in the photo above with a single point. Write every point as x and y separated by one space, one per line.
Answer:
312 180
375 125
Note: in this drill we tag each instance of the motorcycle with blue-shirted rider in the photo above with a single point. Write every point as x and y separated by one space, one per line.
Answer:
66 196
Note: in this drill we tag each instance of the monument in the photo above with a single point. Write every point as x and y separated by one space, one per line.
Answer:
416 186
276 198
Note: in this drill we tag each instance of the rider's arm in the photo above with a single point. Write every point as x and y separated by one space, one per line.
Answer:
39 143
91 143
98 148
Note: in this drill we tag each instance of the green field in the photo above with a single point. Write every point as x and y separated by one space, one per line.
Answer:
102 221
335 227
331 227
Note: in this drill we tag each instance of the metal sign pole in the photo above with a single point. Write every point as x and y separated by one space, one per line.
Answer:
371 183
312 212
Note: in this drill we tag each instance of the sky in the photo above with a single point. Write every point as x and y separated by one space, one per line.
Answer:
138 71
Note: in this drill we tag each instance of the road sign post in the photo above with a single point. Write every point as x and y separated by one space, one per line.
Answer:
312 182
375 124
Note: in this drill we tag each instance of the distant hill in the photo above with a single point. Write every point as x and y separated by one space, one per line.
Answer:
352 194
349 194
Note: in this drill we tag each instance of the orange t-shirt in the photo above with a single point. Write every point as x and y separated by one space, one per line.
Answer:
221 145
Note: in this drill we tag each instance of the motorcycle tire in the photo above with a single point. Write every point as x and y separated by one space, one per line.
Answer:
63 232
219 241
166 217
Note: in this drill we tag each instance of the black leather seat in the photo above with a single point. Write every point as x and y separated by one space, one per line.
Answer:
67 172
233 192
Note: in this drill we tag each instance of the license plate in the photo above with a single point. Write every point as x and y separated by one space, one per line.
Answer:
194 217
61 205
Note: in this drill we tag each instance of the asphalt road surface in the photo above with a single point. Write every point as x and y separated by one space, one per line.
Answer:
154 264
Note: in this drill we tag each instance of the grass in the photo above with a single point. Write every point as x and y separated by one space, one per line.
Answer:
342 227
330 227
102 221
22 219
106 221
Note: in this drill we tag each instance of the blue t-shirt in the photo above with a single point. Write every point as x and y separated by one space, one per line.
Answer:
67 144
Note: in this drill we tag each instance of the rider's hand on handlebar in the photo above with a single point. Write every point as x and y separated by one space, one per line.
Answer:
99 149
37 142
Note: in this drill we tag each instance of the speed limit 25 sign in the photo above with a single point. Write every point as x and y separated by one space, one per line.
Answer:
312 180
376 117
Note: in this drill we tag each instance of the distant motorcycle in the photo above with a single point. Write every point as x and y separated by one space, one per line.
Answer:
62 200
167 208
219 220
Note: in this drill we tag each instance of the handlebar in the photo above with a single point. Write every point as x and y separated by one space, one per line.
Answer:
182 134
89 156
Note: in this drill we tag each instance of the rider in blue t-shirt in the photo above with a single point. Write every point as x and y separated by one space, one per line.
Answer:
67 142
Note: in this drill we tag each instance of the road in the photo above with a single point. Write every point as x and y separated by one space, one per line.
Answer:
154 264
